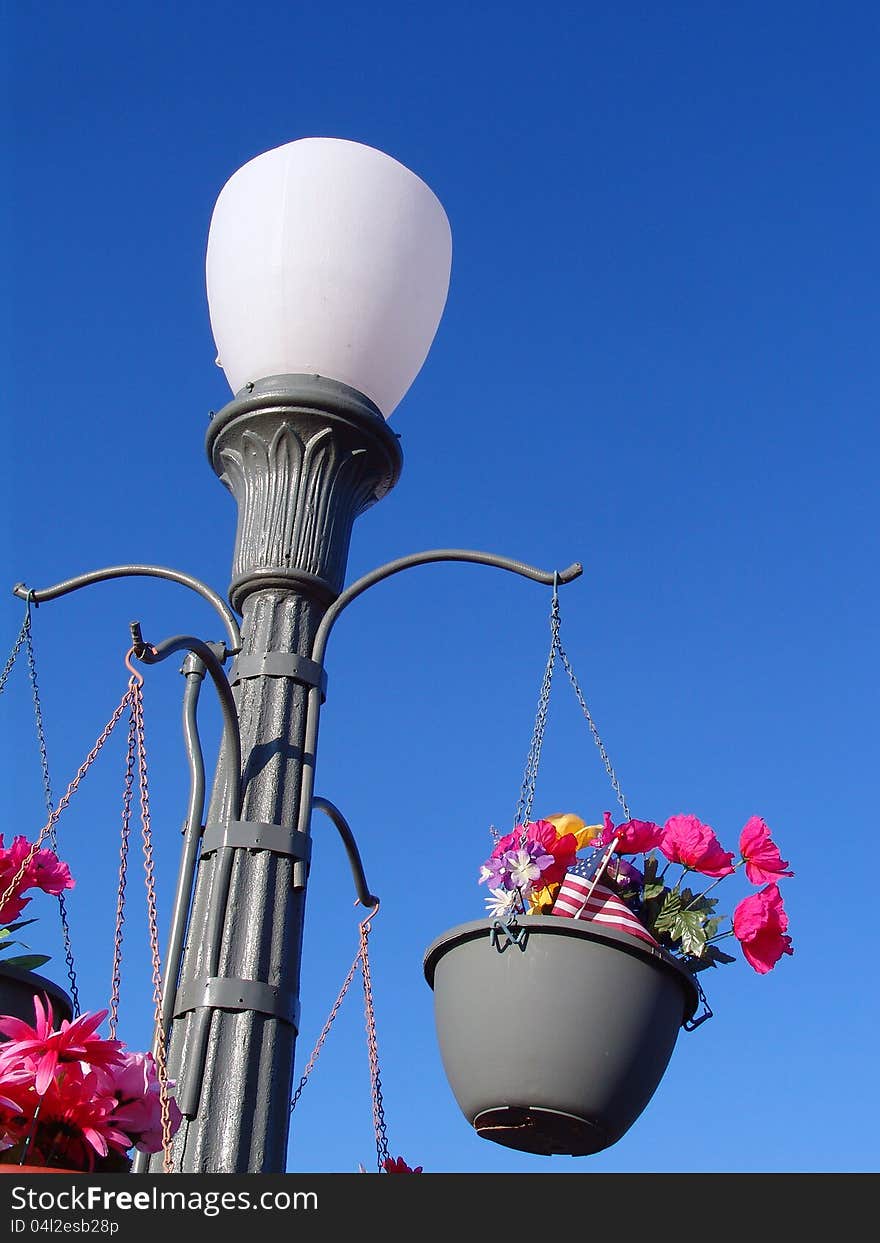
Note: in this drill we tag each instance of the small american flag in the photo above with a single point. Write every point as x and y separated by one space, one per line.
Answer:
603 905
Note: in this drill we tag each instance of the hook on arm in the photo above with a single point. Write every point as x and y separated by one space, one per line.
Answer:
230 623
151 654
357 868
550 577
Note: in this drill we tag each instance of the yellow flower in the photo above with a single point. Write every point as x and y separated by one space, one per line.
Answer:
541 900
567 822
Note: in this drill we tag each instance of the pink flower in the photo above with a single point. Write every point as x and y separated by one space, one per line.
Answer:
87 1096
686 840
759 924
138 1110
73 1113
635 836
397 1165
762 858
73 1042
45 871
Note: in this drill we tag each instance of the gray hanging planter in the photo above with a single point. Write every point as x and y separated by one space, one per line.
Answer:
18 988
554 1038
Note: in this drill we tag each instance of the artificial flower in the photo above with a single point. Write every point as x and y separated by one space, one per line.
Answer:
566 823
542 897
686 840
551 853
760 853
98 1102
502 902
135 1087
625 875
633 837
397 1165
681 920
759 924
45 871
73 1042
526 865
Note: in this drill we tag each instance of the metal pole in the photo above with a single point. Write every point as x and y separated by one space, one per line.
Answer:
303 457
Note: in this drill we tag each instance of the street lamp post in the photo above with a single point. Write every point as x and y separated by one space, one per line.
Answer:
328 267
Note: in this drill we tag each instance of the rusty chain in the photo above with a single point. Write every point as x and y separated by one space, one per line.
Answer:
382 1153
149 874
362 960
14 884
47 794
25 637
116 972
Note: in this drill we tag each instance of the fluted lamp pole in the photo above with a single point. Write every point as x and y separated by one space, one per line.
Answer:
328 267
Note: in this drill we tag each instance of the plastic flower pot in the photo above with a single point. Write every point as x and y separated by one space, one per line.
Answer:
18 988
554 1042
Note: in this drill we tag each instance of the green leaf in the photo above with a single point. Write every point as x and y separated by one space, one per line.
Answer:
669 911
653 890
22 923
28 962
702 904
690 931
710 957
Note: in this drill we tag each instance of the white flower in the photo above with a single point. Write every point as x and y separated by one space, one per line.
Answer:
502 902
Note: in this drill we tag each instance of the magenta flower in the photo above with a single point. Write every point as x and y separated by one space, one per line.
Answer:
397 1165
686 840
759 924
73 1042
760 853
635 837
98 1099
45 871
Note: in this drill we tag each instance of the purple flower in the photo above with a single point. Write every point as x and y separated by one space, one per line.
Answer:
624 874
517 869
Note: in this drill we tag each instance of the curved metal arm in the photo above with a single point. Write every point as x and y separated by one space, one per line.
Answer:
132 571
354 858
357 588
151 654
550 577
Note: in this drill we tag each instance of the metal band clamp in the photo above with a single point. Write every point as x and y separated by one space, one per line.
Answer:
280 665
232 993
256 835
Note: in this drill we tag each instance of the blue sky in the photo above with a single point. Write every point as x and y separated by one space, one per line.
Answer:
658 357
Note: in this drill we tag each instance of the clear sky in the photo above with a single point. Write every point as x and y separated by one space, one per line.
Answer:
658 357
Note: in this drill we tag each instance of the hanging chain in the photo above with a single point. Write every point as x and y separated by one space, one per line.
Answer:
138 716
530 776
65 799
362 960
47 794
382 1154
116 973
323 1036
598 741
16 648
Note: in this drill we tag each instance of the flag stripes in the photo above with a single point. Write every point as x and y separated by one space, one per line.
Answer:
602 907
